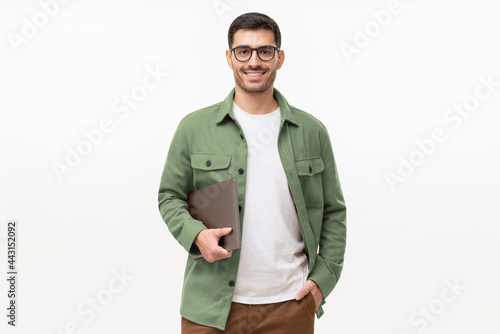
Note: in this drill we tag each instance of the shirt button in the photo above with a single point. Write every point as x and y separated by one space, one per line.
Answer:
208 163
241 135
231 283
310 169
239 207
240 171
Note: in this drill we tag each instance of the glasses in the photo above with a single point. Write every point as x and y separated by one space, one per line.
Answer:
244 53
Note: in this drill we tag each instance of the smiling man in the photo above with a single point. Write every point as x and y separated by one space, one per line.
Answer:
291 204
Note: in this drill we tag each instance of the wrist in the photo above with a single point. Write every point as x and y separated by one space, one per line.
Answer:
196 240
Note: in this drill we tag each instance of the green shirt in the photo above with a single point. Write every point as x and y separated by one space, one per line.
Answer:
213 134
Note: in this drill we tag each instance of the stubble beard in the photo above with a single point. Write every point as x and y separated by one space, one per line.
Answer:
255 89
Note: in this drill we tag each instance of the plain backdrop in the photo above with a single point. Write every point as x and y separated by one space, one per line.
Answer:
422 255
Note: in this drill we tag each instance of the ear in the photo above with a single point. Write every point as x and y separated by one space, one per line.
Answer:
281 58
228 59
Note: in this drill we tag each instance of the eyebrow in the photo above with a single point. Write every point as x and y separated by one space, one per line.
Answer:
248 46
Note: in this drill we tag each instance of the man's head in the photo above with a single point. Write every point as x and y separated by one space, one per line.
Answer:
254 21
254 30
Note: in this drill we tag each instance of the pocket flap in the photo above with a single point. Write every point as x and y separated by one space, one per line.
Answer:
309 166
210 161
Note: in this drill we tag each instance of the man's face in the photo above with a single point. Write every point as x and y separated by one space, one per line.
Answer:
254 76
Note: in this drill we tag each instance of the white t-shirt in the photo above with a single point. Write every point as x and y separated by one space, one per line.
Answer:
273 265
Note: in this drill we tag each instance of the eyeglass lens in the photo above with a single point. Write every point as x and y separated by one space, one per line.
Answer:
244 53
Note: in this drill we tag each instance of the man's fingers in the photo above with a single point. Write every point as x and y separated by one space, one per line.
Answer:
224 253
218 254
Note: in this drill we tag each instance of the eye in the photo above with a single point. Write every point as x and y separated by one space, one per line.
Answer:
242 51
266 51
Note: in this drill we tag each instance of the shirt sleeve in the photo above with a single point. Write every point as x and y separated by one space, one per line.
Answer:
332 243
176 182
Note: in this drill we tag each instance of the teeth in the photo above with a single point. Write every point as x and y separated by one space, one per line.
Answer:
254 74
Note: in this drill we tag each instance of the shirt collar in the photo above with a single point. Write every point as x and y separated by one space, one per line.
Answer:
226 108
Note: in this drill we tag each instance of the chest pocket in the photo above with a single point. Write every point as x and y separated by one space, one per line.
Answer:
209 168
309 166
310 177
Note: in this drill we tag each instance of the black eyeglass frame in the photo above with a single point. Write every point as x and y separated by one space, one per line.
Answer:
256 50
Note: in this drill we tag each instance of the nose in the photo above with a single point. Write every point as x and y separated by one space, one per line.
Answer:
254 58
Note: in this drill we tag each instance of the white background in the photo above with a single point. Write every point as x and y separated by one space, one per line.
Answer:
440 224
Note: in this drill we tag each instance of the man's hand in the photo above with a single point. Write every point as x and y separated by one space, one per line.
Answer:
208 243
310 287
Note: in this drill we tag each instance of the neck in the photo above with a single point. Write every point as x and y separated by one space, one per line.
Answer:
257 103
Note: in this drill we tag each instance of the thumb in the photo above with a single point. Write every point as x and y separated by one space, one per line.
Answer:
303 291
224 231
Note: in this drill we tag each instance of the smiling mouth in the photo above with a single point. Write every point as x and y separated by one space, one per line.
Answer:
254 74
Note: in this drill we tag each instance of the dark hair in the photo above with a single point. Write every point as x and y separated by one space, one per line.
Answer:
254 21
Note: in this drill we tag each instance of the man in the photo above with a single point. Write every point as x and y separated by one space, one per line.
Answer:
291 204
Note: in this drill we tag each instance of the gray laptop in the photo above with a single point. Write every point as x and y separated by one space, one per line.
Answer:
217 206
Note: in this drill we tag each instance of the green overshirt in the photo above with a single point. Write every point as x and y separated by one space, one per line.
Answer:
213 134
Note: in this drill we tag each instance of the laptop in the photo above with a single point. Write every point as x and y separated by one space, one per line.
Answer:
216 206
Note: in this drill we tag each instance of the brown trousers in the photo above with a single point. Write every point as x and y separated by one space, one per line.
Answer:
288 317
